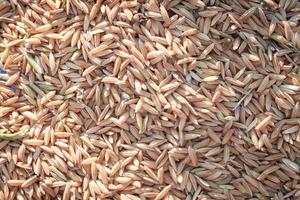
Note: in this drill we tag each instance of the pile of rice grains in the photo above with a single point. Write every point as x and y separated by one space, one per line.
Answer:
149 99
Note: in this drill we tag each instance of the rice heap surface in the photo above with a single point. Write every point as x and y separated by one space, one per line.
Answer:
148 99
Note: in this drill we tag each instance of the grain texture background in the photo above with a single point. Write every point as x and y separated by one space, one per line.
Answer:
148 99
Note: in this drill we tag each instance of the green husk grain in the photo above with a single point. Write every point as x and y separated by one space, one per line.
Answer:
280 39
7 135
32 62
45 86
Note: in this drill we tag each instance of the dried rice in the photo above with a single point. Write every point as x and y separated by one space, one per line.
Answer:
130 100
